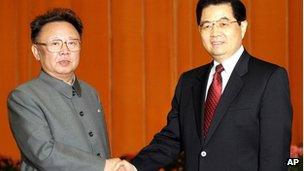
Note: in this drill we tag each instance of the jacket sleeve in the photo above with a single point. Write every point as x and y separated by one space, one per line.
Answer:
166 145
275 123
34 139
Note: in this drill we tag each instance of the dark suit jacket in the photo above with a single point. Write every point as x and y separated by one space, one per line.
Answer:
250 131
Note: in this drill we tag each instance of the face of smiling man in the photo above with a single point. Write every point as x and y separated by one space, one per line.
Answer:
60 64
223 35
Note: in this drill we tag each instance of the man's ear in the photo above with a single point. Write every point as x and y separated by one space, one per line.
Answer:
244 27
199 29
36 52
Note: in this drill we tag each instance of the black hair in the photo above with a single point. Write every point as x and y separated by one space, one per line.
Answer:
53 15
238 8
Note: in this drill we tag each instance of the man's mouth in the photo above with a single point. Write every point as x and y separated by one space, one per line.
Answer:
214 43
64 62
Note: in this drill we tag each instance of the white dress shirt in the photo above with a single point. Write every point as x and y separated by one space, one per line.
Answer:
228 65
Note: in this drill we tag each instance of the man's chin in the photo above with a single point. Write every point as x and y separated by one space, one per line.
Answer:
219 57
65 72
217 54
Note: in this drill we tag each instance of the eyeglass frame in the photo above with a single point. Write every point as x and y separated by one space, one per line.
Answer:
63 42
213 23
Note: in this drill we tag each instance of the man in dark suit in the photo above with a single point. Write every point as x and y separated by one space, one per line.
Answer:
233 114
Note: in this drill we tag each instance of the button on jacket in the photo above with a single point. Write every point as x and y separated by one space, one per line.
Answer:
58 126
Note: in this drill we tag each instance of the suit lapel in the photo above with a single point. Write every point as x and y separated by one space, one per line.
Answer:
198 94
232 89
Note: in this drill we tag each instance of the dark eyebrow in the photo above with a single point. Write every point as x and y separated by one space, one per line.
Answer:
223 18
57 39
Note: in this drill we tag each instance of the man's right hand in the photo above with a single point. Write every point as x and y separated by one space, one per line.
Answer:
111 164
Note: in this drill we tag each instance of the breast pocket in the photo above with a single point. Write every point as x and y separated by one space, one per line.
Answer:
244 116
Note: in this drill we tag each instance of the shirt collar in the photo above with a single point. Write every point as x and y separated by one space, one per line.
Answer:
60 85
230 62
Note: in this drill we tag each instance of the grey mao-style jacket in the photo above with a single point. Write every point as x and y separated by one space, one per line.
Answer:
58 126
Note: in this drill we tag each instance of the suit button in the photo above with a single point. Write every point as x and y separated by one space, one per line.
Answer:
74 93
203 153
81 113
91 134
98 154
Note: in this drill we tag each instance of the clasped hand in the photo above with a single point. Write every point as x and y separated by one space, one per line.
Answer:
116 164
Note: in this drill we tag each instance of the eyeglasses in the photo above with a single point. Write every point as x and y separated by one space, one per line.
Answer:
222 23
56 45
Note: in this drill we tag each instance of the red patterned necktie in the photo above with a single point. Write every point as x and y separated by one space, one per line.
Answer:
214 94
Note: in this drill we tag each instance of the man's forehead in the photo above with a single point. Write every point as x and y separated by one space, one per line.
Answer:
216 12
58 29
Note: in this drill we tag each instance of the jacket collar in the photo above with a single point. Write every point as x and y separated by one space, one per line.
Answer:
198 94
62 87
232 89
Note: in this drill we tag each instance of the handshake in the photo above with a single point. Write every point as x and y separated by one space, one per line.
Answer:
116 164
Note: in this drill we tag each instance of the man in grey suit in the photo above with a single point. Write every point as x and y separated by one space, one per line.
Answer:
57 119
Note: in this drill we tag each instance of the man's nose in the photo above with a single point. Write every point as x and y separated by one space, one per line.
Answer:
215 29
64 48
